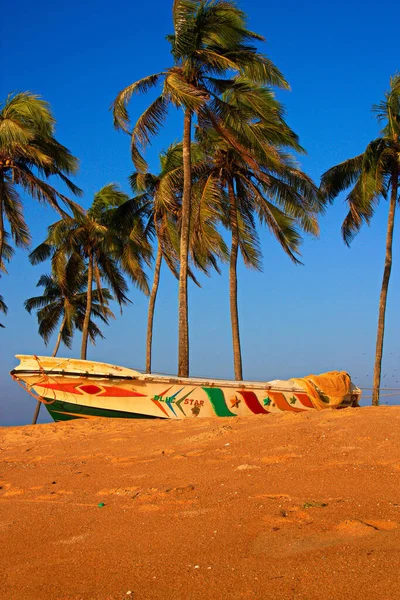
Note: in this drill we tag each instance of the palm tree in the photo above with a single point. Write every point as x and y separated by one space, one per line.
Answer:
372 175
29 156
210 40
163 194
104 246
259 182
65 301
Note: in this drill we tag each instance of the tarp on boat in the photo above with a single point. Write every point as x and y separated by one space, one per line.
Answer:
326 390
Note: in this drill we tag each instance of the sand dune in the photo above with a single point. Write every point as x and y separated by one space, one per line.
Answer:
292 506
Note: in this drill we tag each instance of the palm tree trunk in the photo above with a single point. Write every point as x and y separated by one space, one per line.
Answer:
86 321
1 217
183 328
237 354
152 302
59 336
384 290
39 404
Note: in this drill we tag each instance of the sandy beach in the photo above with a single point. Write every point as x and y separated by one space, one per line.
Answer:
292 506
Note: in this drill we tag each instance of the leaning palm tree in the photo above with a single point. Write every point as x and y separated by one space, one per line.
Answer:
210 42
373 175
29 156
259 183
106 249
63 305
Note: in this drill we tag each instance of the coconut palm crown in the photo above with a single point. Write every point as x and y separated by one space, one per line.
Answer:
29 156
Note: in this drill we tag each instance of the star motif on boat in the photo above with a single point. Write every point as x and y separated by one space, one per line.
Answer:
267 401
235 402
293 400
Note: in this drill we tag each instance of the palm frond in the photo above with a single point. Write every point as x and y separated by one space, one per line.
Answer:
12 204
150 121
182 93
119 106
3 309
8 252
40 253
339 178
361 210
48 318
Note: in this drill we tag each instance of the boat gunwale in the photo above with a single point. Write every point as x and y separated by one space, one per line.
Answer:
154 378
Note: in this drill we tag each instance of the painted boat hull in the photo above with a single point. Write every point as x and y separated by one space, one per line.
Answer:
72 389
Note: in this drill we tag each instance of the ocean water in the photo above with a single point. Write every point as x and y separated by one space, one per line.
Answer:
387 398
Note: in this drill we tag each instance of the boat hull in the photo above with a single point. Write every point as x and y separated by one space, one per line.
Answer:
72 388
65 411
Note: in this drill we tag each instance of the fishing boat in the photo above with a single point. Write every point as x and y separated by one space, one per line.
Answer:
72 388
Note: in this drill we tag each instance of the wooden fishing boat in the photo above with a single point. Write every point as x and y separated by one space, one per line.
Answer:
72 388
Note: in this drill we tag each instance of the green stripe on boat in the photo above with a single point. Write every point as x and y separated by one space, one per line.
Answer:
65 411
217 400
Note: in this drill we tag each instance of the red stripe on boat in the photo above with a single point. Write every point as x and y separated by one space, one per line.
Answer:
282 403
68 388
160 406
105 390
253 404
167 390
304 399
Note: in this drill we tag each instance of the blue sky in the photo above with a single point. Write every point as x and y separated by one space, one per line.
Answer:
338 58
